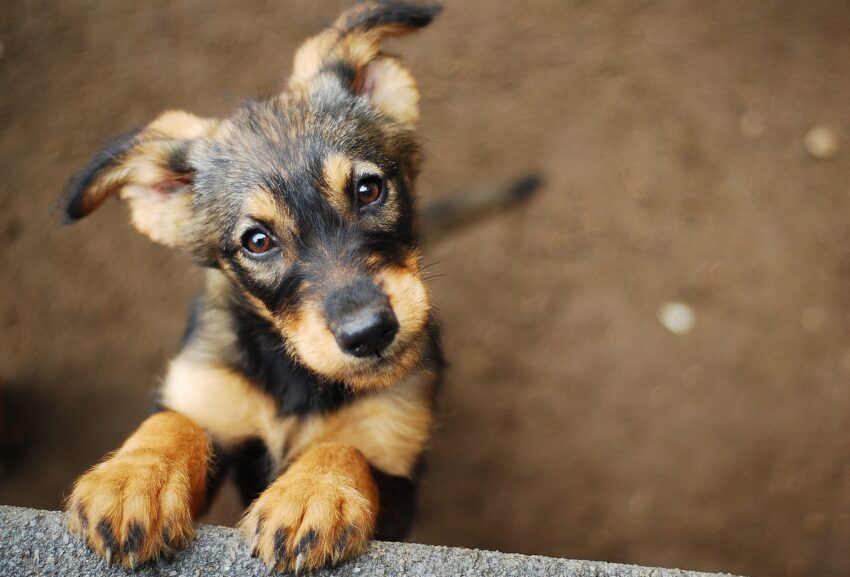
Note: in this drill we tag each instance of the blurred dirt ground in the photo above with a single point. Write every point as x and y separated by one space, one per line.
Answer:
670 134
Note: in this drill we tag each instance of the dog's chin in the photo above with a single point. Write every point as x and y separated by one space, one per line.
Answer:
385 370
375 372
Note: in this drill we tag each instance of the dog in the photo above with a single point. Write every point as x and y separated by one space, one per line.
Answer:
312 358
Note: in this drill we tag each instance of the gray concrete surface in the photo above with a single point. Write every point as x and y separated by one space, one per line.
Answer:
36 543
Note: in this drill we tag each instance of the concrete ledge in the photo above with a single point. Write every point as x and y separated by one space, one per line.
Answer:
36 543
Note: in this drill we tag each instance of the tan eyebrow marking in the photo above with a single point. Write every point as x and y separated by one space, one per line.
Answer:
363 167
261 206
337 173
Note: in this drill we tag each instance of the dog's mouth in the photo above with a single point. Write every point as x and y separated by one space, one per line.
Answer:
361 366
387 357
387 367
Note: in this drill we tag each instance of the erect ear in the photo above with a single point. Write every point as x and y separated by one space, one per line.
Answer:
351 50
148 168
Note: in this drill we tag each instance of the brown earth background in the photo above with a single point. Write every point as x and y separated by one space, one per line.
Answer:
574 424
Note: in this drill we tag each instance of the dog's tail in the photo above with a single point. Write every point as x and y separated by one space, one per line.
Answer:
440 217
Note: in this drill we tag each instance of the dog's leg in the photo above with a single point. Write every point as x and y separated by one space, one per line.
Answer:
327 504
320 511
139 503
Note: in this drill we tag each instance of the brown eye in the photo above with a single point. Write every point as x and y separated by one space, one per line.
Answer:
368 190
257 242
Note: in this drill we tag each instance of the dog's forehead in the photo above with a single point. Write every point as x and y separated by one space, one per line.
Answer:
289 138
287 159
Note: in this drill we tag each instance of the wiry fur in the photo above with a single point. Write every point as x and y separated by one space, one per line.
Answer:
324 440
323 432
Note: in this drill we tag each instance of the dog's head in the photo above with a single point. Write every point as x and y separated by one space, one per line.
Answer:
303 200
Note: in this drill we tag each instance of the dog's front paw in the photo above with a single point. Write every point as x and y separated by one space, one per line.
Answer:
310 518
133 507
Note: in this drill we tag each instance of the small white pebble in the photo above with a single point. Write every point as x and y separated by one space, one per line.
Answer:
678 318
822 142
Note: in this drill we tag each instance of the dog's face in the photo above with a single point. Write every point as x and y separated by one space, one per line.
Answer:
303 200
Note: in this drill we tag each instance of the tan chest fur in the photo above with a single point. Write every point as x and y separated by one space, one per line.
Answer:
390 427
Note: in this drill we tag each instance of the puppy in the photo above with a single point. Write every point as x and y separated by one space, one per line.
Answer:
312 358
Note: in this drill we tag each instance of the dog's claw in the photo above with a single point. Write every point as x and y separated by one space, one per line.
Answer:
166 537
84 519
341 542
279 545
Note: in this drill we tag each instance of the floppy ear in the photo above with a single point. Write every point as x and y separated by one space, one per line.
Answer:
148 168
351 50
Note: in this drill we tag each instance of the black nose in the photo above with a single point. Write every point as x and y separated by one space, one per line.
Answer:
366 332
361 318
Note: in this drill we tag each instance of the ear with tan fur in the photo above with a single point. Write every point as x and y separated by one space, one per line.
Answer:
147 168
351 50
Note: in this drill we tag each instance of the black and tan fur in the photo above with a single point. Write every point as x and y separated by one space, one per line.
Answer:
323 434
